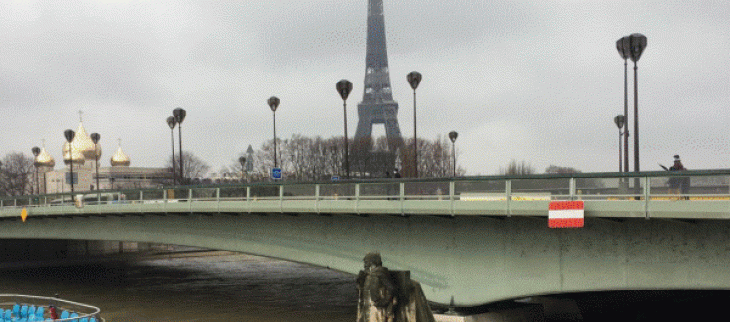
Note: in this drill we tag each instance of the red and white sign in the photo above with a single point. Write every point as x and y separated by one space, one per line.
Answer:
565 214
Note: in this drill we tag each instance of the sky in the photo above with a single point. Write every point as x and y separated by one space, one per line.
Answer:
534 81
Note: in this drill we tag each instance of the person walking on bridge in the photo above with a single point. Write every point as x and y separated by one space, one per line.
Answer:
678 185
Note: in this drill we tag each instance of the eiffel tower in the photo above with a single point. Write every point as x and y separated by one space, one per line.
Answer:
377 106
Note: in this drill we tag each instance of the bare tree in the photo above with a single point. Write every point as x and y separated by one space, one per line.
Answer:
16 174
517 168
193 167
305 159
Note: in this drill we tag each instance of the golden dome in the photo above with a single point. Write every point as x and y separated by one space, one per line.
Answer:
77 156
83 143
120 159
44 159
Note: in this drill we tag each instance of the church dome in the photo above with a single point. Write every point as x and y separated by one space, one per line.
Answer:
120 159
76 156
44 159
82 142
82 145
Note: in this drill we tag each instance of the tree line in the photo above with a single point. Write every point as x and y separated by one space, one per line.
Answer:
304 158
301 158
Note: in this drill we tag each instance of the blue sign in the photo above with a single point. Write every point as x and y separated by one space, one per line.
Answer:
276 173
335 178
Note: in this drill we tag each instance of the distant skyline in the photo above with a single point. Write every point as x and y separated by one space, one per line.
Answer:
538 82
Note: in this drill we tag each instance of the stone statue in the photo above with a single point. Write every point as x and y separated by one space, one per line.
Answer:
389 296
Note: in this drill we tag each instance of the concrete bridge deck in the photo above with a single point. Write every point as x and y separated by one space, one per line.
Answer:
477 240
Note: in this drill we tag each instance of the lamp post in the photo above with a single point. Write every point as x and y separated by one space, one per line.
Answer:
36 151
344 87
274 104
179 115
623 47
171 123
414 78
452 136
95 138
242 161
637 44
620 120
69 134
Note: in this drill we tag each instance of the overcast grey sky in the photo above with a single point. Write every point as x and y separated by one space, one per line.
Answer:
539 81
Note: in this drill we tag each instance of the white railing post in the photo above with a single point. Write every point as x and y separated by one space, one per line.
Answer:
508 196
218 199
281 198
357 198
316 198
571 188
248 198
647 193
451 196
401 194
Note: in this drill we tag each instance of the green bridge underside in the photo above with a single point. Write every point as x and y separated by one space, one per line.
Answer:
478 240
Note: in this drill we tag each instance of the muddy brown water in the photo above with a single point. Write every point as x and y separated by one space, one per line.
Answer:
215 287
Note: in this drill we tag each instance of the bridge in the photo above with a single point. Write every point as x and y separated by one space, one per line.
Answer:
475 240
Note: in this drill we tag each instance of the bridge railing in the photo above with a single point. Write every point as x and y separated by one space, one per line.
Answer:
447 194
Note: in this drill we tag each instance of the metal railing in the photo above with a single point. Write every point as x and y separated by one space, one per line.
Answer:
443 192
7 301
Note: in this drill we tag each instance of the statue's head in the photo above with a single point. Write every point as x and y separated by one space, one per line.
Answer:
372 259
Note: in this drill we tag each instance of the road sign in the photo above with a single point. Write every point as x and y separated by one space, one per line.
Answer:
276 173
335 178
565 214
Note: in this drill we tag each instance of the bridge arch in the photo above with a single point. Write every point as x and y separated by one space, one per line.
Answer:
474 259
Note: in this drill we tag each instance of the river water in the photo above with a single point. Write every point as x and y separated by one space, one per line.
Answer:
213 286
223 286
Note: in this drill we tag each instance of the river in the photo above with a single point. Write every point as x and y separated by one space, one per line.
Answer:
216 286
209 286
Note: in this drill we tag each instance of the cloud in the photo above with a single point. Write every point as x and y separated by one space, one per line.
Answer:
524 80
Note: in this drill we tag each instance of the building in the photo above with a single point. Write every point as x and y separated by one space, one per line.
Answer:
85 158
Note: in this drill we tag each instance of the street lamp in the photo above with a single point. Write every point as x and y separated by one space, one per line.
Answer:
242 161
620 120
344 87
69 134
179 115
95 138
623 47
637 44
171 123
414 78
274 104
36 151
452 136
